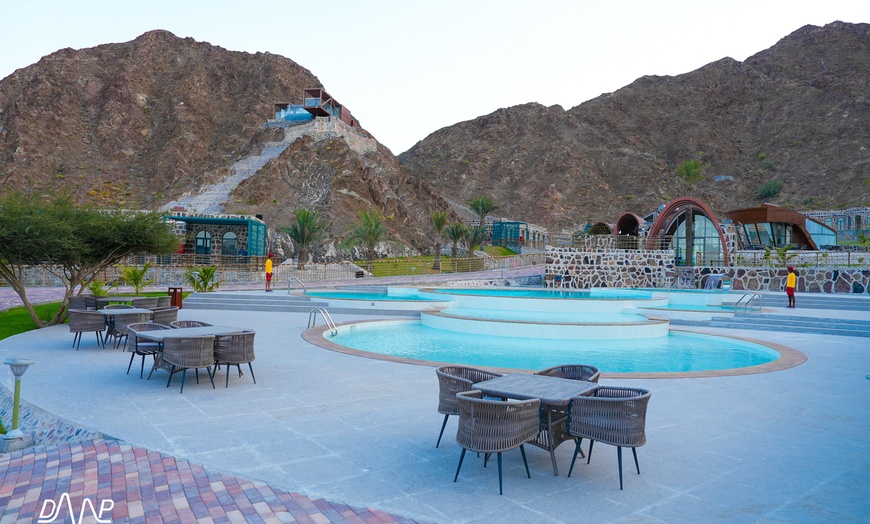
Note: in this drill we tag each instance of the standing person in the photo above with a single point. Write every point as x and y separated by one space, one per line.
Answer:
269 273
790 285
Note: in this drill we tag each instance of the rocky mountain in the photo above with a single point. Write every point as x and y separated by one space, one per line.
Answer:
141 124
160 119
798 113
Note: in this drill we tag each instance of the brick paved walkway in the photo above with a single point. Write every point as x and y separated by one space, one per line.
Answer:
146 486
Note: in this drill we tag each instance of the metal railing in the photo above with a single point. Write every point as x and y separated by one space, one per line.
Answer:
312 320
749 298
301 283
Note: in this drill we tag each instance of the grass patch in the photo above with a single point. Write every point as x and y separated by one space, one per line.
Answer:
17 320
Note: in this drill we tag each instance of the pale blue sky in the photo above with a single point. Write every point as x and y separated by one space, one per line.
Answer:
408 68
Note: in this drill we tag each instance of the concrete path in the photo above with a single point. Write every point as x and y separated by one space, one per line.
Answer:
789 446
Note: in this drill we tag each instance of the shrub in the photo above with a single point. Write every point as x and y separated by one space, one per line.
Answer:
203 279
769 189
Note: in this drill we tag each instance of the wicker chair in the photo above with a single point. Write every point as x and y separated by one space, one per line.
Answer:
573 372
82 302
141 347
453 380
234 350
493 426
615 416
119 323
164 301
165 315
144 302
189 352
189 323
82 321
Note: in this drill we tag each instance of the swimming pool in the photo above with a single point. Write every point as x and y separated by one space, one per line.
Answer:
528 329
676 352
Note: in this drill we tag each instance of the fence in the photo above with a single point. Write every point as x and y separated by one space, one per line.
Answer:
171 270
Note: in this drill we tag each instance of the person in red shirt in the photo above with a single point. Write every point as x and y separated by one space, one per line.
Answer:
790 285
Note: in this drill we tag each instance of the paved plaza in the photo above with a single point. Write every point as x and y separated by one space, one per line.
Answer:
788 446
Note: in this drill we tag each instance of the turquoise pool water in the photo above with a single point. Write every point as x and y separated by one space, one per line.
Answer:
608 294
367 295
544 316
677 352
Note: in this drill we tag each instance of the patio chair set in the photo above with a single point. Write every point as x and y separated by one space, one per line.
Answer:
498 413
191 344
112 320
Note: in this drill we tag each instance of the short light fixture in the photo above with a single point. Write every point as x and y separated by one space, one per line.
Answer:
18 367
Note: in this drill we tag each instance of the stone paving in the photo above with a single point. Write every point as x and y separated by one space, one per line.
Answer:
146 486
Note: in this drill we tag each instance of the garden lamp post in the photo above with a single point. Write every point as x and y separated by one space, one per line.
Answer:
18 367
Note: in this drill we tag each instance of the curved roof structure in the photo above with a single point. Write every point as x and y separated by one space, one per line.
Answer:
668 216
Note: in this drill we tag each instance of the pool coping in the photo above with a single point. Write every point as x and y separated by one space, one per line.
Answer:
788 357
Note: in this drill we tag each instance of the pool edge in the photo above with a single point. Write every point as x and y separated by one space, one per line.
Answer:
788 357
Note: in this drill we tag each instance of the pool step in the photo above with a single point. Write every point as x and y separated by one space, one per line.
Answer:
792 324
277 301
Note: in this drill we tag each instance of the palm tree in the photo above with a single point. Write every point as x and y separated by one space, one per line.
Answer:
476 236
368 231
308 230
439 220
455 232
482 205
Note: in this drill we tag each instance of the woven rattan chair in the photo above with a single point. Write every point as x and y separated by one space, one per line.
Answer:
615 416
573 372
82 321
119 324
165 315
164 301
142 347
82 302
234 350
144 302
186 353
493 426
189 323
453 380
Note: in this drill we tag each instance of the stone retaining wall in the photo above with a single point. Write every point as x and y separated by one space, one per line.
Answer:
650 268
46 428
612 267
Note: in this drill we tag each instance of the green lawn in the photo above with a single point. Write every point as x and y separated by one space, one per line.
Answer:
17 320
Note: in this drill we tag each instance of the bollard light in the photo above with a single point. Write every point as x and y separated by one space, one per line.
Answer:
18 367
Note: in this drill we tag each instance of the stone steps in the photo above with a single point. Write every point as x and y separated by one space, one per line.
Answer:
792 324
278 301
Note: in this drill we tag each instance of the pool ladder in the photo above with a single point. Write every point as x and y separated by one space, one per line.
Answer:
289 289
312 320
749 298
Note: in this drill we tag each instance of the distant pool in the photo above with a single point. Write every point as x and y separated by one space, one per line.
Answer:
676 352
608 294
368 295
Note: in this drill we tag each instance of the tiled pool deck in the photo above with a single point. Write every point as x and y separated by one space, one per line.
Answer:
788 446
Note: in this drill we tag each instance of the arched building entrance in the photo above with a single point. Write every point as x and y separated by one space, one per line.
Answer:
689 227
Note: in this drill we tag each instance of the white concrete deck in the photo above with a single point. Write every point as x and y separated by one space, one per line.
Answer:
788 446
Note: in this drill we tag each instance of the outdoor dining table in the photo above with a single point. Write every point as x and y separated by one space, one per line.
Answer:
159 335
555 394
104 301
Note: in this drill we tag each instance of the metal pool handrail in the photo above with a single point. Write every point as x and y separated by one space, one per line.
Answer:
312 320
297 280
749 297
